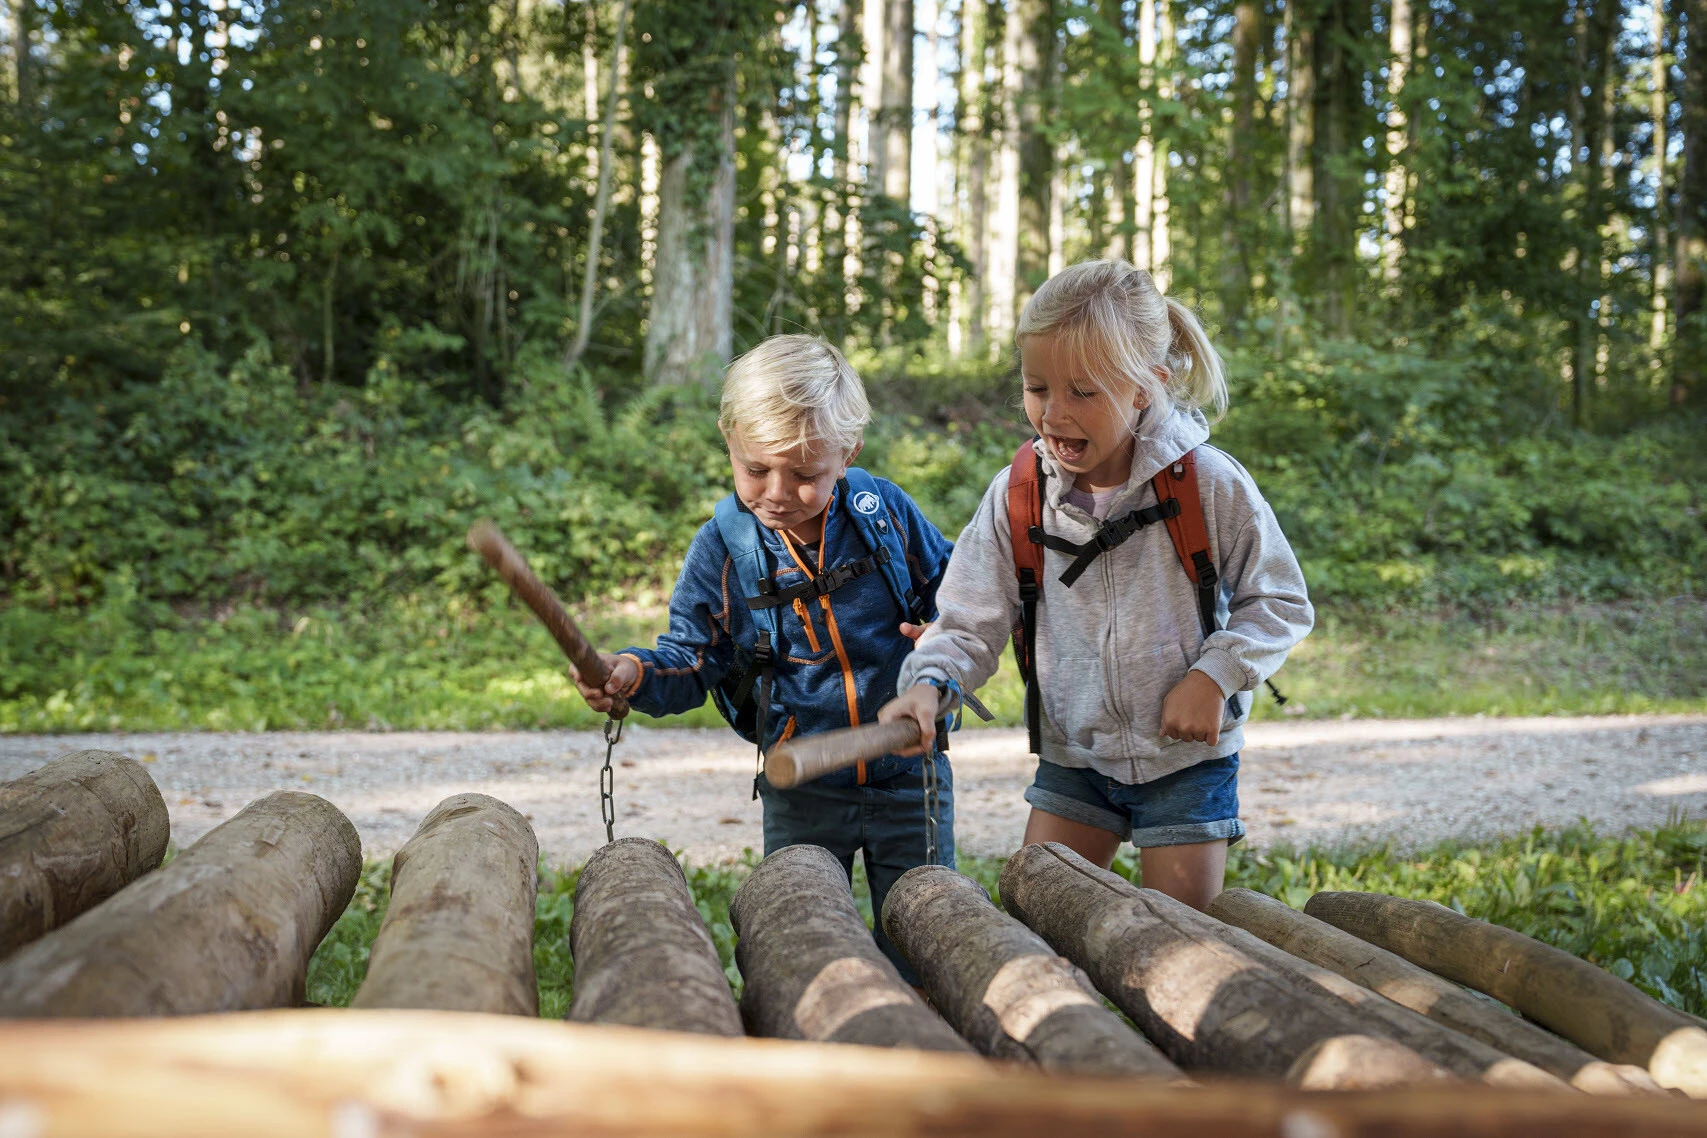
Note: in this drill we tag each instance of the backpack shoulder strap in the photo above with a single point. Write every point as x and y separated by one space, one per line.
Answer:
1025 533
871 518
740 533
1190 533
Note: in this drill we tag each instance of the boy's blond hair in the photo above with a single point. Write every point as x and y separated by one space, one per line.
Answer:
792 391
1119 327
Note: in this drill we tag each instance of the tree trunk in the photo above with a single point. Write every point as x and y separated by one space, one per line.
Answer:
1003 988
975 139
73 833
812 970
642 954
1399 62
1002 261
1138 245
1207 1005
1300 126
1587 1005
1338 91
1583 113
1035 41
228 925
601 198
1657 108
892 144
458 934
284 1074
1161 243
1423 992
1689 352
1236 252
691 334
23 35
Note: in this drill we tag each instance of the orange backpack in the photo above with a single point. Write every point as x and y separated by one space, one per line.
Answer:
1177 504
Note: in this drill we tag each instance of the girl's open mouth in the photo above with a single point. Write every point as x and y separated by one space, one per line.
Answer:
1068 450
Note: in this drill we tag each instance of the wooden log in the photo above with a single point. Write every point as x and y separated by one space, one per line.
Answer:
228 925
458 934
810 966
73 833
1424 993
1003 988
643 956
1463 1056
1362 1063
1587 1005
315 1074
1207 1005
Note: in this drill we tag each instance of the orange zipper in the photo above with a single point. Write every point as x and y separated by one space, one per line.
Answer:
806 620
849 690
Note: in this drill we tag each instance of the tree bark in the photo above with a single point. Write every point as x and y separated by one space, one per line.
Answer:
1658 105
1399 62
1423 992
691 333
1161 240
601 198
1361 1063
1689 353
1300 125
642 954
1207 1005
284 1074
458 934
1587 1005
1037 63
1236 251
1003 259
73 833
1139 245
892 146
1003 988
975 138
1338 192
811 968
228 925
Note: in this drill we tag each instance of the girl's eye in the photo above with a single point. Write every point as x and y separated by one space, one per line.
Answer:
1031 389
1084 394
757 471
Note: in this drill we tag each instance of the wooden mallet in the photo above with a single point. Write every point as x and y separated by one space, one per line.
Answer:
807 757
488 541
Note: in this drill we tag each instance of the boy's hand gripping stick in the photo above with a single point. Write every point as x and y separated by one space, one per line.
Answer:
808 757
488 541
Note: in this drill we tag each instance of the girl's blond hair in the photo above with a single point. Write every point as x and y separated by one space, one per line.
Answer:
792 391
1118 327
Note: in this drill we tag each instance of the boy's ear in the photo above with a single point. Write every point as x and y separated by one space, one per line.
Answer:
854 453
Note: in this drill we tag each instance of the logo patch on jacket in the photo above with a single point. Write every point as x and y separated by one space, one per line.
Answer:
866 502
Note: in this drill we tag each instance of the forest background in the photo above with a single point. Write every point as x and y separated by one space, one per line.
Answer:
292 290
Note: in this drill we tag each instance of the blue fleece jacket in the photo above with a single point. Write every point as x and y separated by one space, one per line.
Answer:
837 655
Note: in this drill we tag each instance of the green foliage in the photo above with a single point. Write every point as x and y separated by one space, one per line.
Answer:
425 662
1635 904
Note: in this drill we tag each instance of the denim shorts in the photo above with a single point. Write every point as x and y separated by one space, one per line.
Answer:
1197 804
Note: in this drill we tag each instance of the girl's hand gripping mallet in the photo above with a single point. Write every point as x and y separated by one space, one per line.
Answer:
488 541
813 756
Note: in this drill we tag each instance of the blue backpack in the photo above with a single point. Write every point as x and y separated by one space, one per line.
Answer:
744 695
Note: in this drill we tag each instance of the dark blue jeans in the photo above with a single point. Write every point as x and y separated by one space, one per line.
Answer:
885 819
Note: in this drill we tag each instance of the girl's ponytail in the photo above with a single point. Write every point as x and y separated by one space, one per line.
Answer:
1197 378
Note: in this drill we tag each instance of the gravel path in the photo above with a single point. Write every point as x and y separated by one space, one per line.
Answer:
1326 783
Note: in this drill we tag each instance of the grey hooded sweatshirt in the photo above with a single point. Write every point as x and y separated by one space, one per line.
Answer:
1112 646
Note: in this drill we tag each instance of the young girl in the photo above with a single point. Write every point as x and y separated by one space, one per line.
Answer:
1141 695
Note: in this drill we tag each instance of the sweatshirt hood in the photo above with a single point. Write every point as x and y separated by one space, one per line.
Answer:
1161 441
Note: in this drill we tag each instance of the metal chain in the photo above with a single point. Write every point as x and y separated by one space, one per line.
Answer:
607 780
930 807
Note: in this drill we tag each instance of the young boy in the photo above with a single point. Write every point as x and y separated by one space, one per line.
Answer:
796 606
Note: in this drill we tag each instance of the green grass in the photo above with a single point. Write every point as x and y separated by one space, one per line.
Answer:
125 664
1633 904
